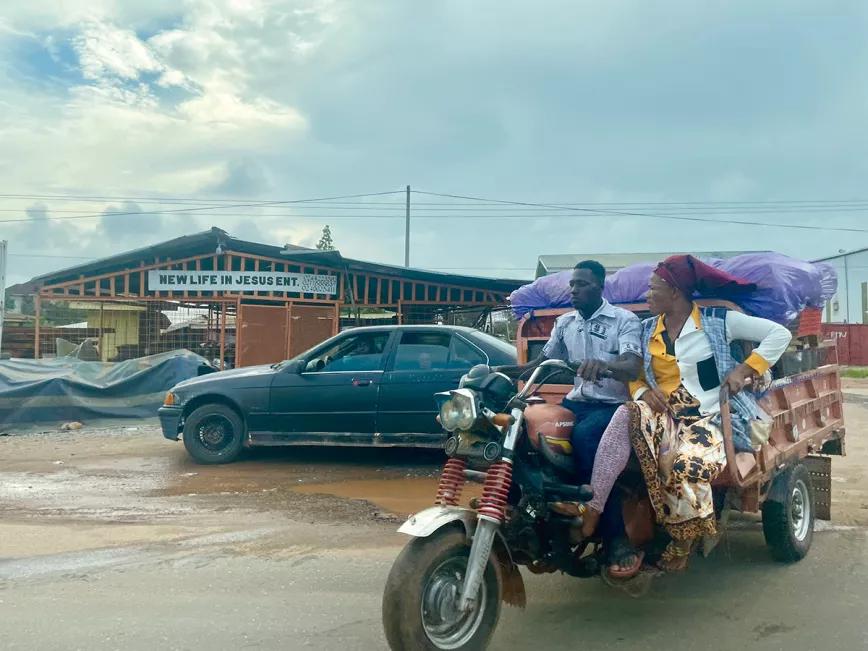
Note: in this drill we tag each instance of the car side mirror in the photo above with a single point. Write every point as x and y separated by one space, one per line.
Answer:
312 366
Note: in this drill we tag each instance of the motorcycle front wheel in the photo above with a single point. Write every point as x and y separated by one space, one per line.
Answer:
420 603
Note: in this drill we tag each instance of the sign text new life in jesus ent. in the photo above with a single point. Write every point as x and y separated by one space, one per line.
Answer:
241 281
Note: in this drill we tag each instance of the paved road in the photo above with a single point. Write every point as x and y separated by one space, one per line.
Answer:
112 539
208 594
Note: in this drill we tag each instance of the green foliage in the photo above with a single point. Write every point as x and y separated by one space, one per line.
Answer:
325 242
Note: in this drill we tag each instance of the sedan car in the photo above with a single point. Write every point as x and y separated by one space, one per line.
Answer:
365 386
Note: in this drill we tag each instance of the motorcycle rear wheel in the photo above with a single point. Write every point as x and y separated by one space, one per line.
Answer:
421 597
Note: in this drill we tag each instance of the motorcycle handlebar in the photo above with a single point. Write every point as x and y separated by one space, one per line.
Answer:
572 367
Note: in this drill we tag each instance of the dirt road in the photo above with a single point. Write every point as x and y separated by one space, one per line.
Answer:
111 539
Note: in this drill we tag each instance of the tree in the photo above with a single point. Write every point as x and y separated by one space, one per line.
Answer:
325 242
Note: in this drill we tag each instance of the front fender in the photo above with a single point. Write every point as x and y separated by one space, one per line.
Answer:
431 520
424 523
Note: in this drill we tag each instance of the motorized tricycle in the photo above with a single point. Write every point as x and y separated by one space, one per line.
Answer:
446 587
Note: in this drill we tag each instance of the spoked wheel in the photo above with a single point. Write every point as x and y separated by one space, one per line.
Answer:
420 603
214 434
788 524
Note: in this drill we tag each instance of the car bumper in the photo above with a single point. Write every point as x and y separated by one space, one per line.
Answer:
170 418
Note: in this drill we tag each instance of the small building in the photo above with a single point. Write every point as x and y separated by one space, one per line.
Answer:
549 264
243 302
850 304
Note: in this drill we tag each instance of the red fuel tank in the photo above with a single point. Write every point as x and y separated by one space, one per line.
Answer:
552 421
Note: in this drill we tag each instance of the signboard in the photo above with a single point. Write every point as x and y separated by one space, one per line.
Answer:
172 280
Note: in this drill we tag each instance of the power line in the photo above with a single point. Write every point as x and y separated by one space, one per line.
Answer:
160 199
652 215
49 255
469 211
157 199
194 209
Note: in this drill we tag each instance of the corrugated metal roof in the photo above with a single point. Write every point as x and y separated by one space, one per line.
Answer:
208 242
547 264
840 255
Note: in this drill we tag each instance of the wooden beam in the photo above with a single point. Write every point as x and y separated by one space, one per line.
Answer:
223 335
37 330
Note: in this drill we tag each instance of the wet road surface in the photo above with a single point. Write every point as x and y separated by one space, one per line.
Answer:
112 539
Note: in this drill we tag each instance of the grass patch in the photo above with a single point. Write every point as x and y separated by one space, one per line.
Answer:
855 372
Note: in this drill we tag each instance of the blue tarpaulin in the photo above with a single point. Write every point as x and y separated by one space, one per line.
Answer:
69 389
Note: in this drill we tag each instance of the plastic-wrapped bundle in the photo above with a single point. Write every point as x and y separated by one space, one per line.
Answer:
630 284
785 286
550 291
828 282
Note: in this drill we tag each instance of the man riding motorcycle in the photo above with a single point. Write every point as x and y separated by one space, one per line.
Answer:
605 341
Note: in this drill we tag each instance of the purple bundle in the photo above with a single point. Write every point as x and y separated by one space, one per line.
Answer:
785 286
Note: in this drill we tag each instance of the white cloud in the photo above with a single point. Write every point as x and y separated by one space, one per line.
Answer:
301 98
105 50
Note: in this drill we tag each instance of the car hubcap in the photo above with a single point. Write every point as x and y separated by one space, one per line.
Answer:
800 512
215 433
445 624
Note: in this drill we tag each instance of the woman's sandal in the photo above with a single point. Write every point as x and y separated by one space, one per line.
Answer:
622 550
676 556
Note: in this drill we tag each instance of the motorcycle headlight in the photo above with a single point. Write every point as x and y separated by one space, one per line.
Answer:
459 411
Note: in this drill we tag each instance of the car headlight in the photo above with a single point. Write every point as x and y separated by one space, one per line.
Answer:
171 400
459 412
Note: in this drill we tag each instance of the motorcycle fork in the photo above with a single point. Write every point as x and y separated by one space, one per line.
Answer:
480 552
492 513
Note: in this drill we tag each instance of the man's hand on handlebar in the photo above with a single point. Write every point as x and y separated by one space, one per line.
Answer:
593 370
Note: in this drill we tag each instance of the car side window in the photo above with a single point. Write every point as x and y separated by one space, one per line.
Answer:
423 351
435 351
361 352
463 355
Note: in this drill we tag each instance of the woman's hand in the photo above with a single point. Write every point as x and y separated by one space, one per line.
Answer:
741 376
655 399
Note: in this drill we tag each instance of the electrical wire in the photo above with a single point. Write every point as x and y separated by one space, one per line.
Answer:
652 215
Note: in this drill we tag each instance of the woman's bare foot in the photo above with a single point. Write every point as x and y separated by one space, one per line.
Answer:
590 520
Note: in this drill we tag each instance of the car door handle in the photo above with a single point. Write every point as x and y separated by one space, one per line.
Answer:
362 383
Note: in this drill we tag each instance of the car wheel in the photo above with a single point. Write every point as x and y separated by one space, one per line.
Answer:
214 433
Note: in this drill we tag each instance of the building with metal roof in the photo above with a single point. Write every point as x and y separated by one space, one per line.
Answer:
280 299
549 264
850 303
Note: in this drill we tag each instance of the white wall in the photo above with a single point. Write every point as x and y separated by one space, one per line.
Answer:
847 305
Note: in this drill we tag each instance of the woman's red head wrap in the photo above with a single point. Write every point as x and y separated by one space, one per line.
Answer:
692 276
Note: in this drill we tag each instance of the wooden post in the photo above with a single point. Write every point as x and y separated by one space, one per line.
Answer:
37 330
223 335
102 350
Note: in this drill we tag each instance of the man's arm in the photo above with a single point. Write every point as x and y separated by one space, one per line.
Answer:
628 365
625 368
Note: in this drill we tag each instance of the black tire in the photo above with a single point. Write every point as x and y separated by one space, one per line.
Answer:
214 433
421 560
788 520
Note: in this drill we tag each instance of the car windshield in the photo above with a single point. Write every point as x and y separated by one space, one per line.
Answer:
340 346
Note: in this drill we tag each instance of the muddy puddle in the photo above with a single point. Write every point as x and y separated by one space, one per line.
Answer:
398 497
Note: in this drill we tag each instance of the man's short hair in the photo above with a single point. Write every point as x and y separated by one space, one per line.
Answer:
598 270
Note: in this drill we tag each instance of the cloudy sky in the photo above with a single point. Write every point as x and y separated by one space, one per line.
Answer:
118 117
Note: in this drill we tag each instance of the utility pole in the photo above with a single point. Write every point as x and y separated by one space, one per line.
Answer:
407 232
